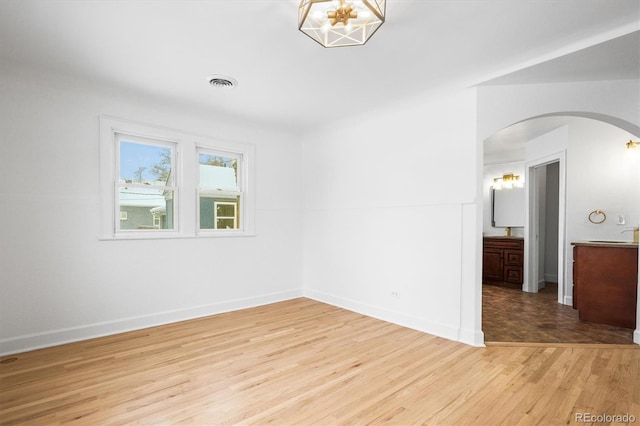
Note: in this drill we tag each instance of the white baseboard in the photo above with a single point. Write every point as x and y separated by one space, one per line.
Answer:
568 300
636 336
472 337
33 341
469 337
551 278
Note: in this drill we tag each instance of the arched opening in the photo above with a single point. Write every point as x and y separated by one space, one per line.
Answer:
583 155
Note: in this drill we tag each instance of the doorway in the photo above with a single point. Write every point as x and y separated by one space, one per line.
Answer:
546 186
544 227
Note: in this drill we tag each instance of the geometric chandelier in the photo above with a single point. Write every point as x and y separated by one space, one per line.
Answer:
339 23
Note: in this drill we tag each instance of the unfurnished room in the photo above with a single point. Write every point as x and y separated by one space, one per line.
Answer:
319 212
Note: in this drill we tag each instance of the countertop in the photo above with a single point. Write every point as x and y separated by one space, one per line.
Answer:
504 237
616 244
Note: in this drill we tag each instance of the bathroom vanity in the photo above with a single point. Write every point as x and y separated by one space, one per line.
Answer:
605 282
502 259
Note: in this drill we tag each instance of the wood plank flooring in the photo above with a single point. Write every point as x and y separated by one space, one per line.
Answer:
301 362
510 315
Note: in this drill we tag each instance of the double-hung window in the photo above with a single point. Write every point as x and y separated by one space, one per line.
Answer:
162 183
145 189
220 186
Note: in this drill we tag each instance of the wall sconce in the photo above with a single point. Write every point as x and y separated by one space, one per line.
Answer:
633 145
508 181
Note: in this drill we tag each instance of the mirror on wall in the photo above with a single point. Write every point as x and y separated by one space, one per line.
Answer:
507 207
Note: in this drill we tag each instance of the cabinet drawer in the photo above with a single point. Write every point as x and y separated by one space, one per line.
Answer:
575 278
503 243
513 257
513 274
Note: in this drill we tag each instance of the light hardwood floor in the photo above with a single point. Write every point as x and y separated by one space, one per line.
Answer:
306 363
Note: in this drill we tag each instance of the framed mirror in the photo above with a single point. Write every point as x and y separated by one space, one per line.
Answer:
507 207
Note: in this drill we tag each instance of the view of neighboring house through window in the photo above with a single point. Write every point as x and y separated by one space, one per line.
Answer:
157 182
145 190
219 189
225 215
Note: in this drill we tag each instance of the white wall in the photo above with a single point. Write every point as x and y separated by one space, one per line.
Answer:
600 175
60 283
390 218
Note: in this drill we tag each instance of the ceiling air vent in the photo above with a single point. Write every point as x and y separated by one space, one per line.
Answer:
222 82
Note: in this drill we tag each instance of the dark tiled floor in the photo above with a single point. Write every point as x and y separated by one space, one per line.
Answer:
510 315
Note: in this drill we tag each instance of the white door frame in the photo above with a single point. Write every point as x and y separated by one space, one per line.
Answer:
531 231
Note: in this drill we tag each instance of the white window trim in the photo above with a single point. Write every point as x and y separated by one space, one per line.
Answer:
243 178
173 187
186 220
225 203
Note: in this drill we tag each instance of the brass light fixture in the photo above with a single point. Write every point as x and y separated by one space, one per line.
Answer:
633 145
339 23
507 181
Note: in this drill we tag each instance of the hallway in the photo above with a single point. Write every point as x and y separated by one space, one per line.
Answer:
510 315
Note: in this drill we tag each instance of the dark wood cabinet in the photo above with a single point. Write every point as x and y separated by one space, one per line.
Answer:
605 283
502 260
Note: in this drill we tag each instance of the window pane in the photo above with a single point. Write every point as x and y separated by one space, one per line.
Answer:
226 210
219 213
225 224
145 208
218 172
142 163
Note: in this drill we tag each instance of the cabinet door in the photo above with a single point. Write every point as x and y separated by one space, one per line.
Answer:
492 268
576 273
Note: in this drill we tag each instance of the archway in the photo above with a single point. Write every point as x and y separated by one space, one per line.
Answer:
538 129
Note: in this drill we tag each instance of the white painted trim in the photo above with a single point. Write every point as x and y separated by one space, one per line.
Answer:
470 331
471 337
568 300
530 261
34 341
530 249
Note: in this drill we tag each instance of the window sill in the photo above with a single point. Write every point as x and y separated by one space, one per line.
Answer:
165 236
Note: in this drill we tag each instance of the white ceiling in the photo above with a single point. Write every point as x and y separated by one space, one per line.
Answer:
167 49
